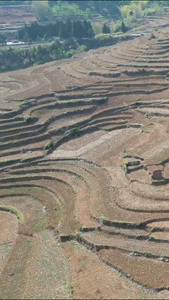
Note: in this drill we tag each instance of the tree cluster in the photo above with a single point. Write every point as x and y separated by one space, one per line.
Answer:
70 28
13 59
44 9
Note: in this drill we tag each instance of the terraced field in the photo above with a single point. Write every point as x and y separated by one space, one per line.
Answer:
84 174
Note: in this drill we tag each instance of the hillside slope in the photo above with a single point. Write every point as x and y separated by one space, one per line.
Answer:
84 174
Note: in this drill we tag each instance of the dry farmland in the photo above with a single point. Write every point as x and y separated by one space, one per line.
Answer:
84 174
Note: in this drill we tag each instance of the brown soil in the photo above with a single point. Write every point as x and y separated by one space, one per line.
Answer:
91 279
148 272
11 15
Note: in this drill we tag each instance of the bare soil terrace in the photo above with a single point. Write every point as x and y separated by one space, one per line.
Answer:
19 14
84 173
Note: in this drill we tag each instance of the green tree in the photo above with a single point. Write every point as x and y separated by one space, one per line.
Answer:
106 28
123 27
56 50
77 28
2 39
33 54
42 10
33 30
20 33
88 13
88 30
42 54
45 38
26 38
63 30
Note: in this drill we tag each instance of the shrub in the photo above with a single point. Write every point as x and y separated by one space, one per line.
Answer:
136 104
124 37
48 145
79 236
81 48
152 36
147 254
28 119
166 256
136 252
156 229
105 221
71 289
103 39
123 27
124 153
74 131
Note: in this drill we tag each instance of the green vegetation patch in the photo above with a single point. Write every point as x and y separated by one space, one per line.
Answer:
49 145
136 71
105 221
136 104
67 29
71 289
79 236
102 38
145 254
14 58
8 162
13 211
74 131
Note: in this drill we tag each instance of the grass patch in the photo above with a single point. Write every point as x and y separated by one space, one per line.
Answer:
39 225
26 159
124 154
71 289
13 211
